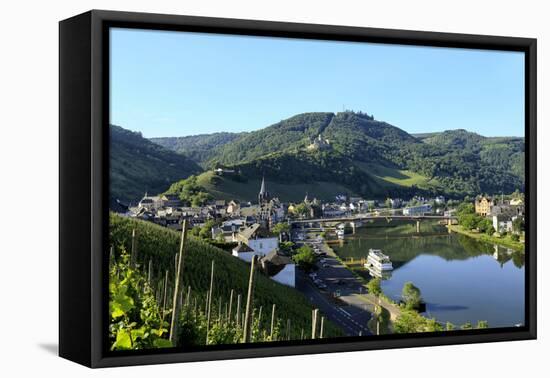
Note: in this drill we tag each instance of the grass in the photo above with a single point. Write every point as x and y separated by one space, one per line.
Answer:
388 176
223 187
504 241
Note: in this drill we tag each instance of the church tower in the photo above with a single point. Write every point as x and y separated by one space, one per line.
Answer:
263 196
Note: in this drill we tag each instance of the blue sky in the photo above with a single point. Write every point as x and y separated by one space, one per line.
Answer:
177 84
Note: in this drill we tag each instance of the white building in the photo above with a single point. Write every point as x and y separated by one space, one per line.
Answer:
243 252
417 210
279 268
502 223
440 200
262 246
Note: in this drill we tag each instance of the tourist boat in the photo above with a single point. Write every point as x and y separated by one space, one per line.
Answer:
375 273
376 259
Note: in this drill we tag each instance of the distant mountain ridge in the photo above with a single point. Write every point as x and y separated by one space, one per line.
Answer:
369 157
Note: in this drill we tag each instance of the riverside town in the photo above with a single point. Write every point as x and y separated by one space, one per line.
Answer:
255 198
341 266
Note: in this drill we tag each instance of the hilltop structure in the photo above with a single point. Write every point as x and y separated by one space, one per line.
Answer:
319 144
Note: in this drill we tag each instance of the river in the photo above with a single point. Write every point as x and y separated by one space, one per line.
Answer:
461 279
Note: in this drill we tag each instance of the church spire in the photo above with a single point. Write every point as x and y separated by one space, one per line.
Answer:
262 188
263 196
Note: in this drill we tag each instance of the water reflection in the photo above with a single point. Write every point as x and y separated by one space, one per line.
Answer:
461 279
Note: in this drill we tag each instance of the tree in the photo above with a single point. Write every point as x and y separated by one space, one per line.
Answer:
410 321
466 325
280 228
468 221
465 208
486 226
305 258
206 230
411 296
482 324
286 247
374 286
514 237
302 210
518 224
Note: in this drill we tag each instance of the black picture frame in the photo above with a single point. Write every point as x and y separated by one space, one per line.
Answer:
84 175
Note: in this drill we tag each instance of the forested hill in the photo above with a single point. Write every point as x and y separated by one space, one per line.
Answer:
200 148
366 156
138 165
507 153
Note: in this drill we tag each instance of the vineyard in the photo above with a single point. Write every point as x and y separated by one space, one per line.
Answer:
217 298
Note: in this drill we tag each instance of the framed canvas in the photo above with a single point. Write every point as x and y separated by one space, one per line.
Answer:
235 188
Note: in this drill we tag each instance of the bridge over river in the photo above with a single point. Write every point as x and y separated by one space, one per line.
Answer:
354 219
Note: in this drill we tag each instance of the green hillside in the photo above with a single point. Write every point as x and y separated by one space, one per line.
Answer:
137 166
159 245
366 157
227 188
287 135
390 177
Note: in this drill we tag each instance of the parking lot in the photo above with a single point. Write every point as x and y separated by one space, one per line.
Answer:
333 289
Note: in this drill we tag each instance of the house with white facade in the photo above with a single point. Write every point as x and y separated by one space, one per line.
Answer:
279 268
243 252
250 236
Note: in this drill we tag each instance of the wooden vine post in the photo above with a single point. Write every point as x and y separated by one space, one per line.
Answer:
209 303
133 252
177 287
249 302
272 322
314 323
230 306
238 311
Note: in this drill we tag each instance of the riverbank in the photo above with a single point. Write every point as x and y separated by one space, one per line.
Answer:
505 241
392 308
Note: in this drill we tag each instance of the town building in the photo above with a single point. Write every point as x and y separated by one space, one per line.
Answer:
439 200
279 268
150 202
417 210
331 211
243 252
394 203
233 208
483 205
502 223
171 200
516 202
251 235
222 171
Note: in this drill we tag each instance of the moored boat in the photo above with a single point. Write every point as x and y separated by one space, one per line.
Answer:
376 259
